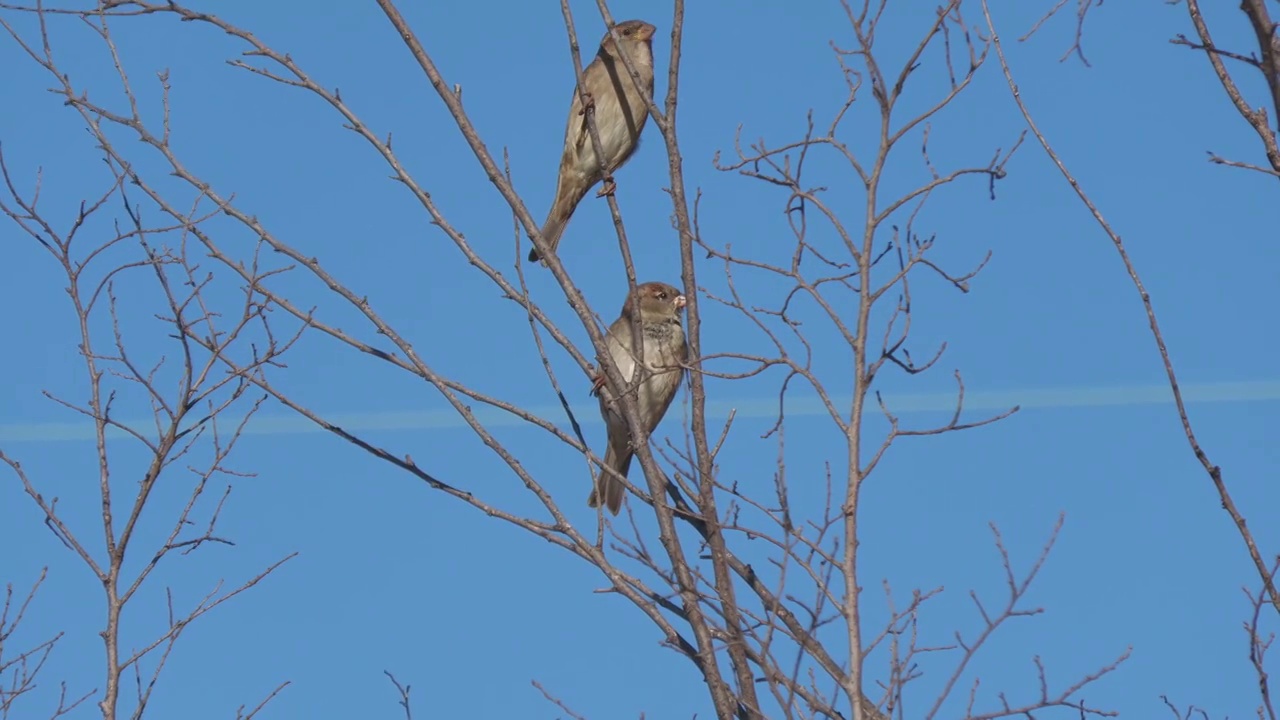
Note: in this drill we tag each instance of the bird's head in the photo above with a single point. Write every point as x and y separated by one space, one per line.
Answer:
656 300
631 32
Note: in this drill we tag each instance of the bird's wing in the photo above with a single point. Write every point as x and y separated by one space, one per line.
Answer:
619 343
577 134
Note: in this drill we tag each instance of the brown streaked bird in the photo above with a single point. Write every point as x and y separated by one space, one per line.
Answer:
620 112
663 351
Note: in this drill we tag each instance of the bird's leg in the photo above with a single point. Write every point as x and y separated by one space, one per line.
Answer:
608 187
588 103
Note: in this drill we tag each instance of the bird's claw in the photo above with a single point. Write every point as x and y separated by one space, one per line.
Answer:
597 382
588 103
608 188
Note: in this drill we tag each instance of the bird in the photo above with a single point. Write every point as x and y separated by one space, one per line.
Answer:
621 113
663 352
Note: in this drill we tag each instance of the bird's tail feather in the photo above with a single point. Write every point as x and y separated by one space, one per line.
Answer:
608 487
552 229
568 195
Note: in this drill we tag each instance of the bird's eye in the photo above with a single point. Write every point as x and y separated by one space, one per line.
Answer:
627 31
662 295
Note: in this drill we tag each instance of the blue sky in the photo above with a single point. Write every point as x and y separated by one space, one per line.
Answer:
390 575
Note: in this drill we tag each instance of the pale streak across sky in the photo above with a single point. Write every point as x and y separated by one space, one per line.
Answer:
797 405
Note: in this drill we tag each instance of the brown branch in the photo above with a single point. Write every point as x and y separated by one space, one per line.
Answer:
1259 645
1268 64
24 666
557 701
403 692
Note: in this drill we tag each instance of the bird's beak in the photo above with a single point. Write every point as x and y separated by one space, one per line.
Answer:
646 33
679 302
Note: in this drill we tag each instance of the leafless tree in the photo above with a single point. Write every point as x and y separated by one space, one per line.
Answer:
773 632
112 256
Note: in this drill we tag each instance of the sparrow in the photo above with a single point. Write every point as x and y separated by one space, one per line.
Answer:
663 351
621 114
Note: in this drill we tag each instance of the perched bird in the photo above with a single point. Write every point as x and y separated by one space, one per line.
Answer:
663 351
620 112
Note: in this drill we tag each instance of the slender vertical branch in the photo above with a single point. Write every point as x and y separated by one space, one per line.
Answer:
1213 471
